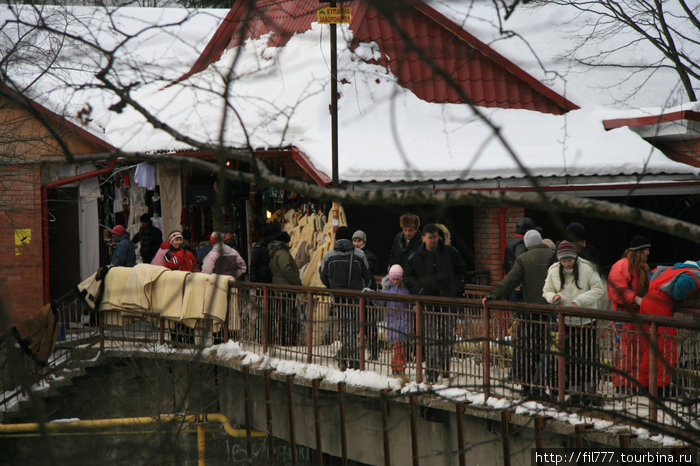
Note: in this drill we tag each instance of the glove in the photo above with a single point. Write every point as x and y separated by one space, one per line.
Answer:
638 301
365 290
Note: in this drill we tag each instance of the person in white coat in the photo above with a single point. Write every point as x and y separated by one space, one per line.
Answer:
573 281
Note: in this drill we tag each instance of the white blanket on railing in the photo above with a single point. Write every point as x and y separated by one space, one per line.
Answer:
171 294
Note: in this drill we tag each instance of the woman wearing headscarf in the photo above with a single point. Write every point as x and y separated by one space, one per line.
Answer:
572 281
628 282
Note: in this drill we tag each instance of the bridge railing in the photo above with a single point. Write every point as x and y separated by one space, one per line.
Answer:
512 350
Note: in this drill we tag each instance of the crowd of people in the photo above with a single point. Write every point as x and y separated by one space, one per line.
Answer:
422 262
570 275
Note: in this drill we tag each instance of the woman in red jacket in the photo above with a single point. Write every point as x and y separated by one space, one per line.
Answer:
628 282
178 258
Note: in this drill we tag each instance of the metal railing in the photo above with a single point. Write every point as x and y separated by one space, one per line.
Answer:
574 356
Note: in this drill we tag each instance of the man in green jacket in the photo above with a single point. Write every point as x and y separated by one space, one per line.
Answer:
529 272
283 319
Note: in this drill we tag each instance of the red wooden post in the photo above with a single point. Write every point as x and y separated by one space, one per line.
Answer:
653 369
419 342
362 332
266 317
561 359
309 326
487 351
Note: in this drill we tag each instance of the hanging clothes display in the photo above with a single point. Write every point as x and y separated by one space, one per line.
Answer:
146 175
312 237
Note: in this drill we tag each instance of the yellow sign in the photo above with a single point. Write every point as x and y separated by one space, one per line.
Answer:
333 15
22 238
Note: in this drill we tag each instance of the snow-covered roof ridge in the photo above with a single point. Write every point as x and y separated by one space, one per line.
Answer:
281 99
553 42
386 132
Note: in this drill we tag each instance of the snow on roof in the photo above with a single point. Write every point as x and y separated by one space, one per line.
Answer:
385 133
280 97
551 42
58 69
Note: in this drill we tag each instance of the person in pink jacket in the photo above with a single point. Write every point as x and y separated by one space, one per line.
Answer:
223 259
628 282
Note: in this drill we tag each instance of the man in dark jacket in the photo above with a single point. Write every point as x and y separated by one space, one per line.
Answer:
515 245
125 254
529 271
150 238
259 271
359 239
406 242
345 267
436 270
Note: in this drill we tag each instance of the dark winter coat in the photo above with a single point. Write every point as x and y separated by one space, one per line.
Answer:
372 263
440 273
125 256
282 265
338 272
514 248
150 238
401 250
530 271
260 264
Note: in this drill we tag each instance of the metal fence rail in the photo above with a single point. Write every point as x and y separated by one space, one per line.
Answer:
581 357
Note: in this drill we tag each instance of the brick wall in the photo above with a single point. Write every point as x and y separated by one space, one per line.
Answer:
487 238
21 285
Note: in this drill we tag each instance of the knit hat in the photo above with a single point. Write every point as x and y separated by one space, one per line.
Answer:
119 230
575 232
145 218
284 237
343 233
215 237
175 234
531 238
566 250
359 234
226 229
396 271
639 242
549 243
523 225
270 231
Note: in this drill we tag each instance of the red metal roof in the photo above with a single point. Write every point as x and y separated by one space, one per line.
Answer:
485 76
652 119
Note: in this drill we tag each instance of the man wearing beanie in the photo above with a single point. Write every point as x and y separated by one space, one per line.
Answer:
150 238
345 267
529 272
125 254
576 235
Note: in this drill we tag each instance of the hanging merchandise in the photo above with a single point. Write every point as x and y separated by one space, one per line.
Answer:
312 236
146 175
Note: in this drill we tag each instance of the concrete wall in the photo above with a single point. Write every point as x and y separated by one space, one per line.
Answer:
142 385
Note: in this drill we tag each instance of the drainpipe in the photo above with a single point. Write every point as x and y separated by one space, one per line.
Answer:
503 239
45 216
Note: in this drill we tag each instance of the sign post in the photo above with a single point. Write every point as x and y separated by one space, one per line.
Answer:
333 15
